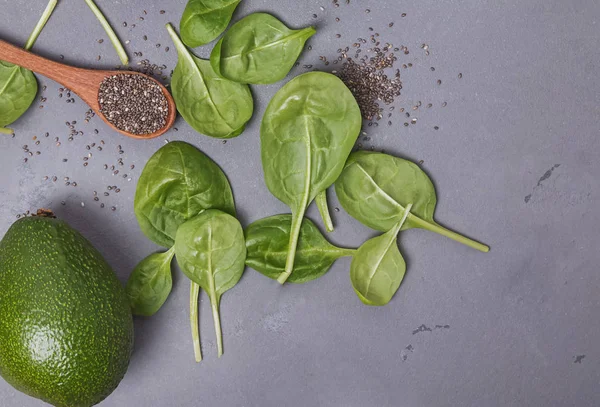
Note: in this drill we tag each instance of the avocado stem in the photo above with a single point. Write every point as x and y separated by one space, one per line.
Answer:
45 213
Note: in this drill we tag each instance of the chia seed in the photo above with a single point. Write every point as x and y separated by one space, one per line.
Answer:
133 103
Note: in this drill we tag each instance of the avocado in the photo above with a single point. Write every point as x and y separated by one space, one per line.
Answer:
66 330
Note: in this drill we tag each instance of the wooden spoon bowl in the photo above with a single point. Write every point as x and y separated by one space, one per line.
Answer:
83 82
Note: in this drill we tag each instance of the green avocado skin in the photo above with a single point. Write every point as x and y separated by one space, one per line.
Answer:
66 330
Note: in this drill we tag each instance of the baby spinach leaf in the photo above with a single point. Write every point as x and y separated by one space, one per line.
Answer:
258 49
375 188
150 283
18 86
267 243
212 105
307 133
205 20
177 183
211 252
378 268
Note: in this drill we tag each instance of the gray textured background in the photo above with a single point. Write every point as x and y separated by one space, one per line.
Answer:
515 323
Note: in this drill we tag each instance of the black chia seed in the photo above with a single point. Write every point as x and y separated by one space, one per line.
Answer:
133 103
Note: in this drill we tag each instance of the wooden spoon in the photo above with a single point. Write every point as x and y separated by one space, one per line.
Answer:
84 82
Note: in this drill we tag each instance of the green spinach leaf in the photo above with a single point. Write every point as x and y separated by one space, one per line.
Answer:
177 183
267 243
378 267
212 105
307 133
375 188
258 49
150 283
211 252
205 20
18 86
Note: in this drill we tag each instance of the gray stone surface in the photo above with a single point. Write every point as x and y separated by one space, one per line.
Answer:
515 163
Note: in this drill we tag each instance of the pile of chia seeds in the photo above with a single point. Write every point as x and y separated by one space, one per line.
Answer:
133 103
371 68
367 80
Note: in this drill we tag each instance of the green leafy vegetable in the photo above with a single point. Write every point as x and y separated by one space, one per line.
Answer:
267 243
18 86
307 133
109 31
205 20
258 49
177 183
378 268
150 283
375 189
211 252
214 106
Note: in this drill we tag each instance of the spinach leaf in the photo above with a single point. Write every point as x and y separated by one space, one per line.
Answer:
205 20
150 283
177 183
307 133
18 86
267 243
212 105
258 49
378 268
375 188
211 252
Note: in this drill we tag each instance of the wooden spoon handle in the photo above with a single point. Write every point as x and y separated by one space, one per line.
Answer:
73 78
